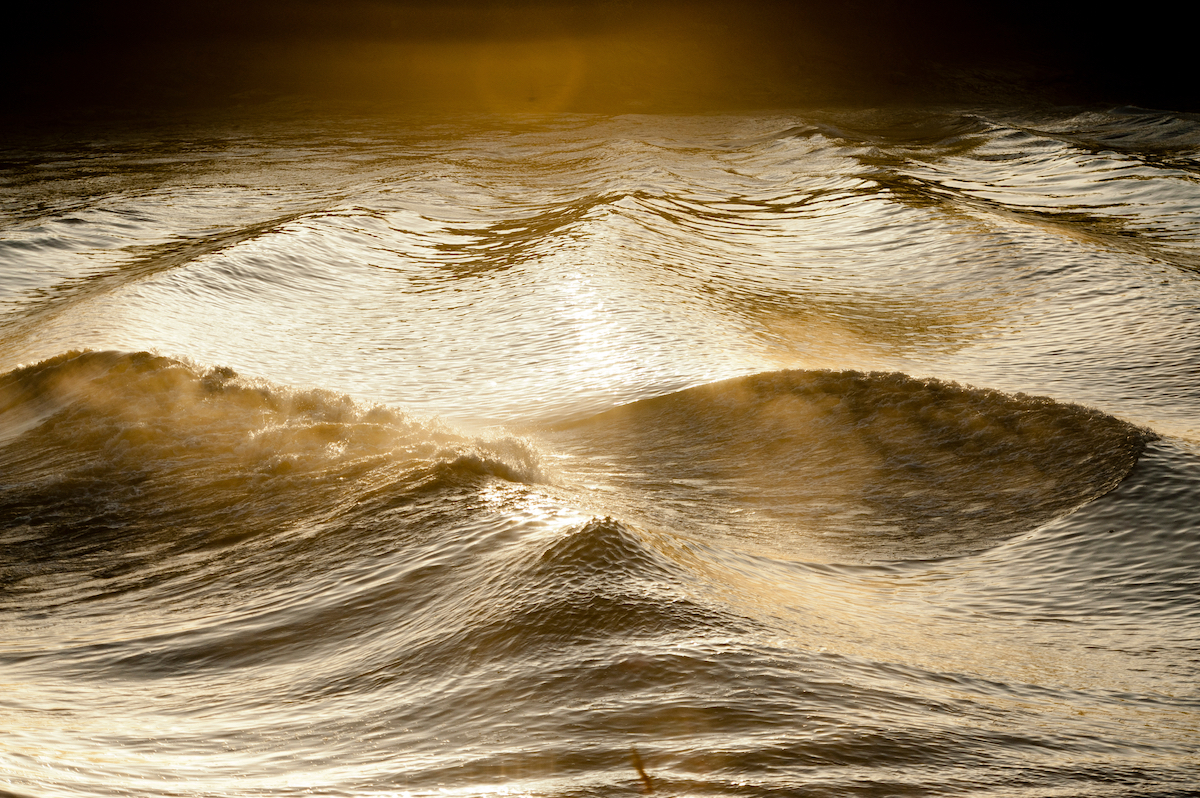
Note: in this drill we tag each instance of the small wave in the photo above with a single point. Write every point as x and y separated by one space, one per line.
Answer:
597 580
878 465
1156 136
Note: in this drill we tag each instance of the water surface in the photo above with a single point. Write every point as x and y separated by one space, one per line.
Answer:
821 453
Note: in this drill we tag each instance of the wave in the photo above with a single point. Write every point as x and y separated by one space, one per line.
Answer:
114 460
871 465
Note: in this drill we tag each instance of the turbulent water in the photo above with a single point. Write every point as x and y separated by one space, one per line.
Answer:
765 454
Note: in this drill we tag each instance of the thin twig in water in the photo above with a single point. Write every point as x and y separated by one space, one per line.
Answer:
647 785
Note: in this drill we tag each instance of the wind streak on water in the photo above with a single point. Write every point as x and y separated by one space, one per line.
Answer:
831 454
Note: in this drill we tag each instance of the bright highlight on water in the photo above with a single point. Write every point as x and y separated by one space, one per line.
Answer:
815 453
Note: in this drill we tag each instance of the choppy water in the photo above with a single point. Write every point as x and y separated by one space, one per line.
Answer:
776 454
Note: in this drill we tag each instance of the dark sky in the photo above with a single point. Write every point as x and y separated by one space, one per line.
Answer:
601 55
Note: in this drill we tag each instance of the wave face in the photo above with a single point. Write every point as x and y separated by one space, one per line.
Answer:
835 453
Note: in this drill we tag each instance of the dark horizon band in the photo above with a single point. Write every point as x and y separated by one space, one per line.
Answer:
602 55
